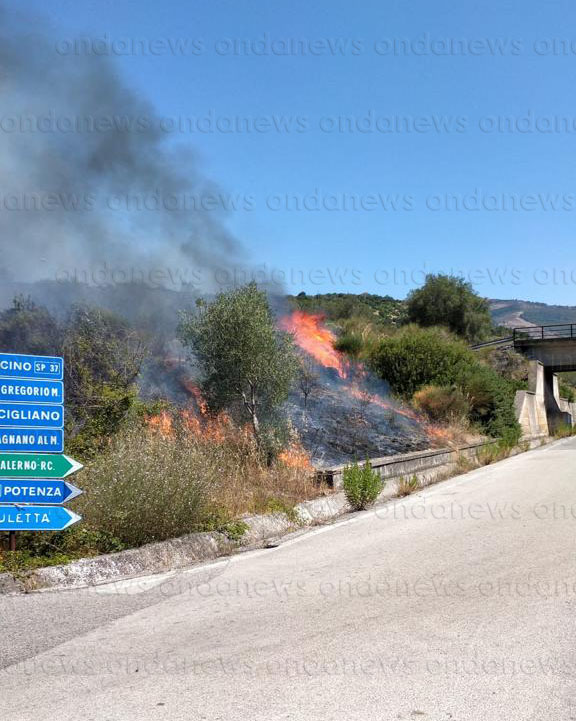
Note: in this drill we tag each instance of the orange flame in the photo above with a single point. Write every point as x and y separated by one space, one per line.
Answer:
161 423
198 421
295 457
315 339
356 392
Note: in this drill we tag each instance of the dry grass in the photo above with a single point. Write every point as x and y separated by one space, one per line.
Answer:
453 435
165 481
407 486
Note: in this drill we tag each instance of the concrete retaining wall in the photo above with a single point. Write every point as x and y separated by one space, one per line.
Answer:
568 407
425 465
531 414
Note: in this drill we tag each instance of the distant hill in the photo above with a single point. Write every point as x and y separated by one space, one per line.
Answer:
509 313
518 313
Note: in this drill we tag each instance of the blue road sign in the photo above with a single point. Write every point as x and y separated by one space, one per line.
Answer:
33 440
36 518
18 390
13 365
31 415
38 491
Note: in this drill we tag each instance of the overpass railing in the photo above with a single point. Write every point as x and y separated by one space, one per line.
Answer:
544 332
505 342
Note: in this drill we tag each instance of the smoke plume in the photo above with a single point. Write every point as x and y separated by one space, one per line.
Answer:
86 195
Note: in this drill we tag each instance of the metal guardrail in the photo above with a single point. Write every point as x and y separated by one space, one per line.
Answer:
493 343
545 332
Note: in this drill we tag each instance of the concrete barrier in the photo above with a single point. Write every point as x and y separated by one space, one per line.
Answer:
425 465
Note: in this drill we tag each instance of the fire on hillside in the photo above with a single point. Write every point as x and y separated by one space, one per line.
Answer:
339 410
344 412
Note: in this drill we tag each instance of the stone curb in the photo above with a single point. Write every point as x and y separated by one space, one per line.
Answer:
196 547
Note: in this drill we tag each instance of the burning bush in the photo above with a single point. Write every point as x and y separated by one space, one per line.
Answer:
172 477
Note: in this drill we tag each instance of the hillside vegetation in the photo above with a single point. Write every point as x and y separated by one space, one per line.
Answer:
380 309
420 347
387 310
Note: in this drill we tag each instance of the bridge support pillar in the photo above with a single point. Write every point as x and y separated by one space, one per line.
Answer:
531 404
556 416
540 410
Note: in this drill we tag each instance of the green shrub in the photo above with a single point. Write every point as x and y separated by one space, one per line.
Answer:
564 430
383 310
35 550
508 363
419 357
499 449
146 488
350 343
279 505
362 485
491 401
566 391
234 530
442 404
416 357
488 454
450 301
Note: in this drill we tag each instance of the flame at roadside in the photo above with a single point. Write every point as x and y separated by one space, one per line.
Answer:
295 457
195 420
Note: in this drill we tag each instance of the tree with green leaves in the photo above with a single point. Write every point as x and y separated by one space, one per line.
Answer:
103 355
102 358
446 300
27 327
248 365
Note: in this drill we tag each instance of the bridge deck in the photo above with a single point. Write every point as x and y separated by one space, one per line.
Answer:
558 331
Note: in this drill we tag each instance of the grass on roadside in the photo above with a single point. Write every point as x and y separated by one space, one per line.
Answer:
153 484
407 486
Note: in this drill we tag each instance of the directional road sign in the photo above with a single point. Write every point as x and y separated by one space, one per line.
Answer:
37 440
37 465
31 366
36 518
37 491
31 415
18 390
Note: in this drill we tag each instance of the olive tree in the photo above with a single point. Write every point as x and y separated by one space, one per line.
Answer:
247 363
450 301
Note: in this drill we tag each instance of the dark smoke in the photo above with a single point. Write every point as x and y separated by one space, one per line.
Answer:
55 217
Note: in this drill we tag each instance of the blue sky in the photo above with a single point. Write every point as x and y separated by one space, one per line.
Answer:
413 136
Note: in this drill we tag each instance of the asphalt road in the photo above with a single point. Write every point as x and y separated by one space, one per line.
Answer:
456 603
